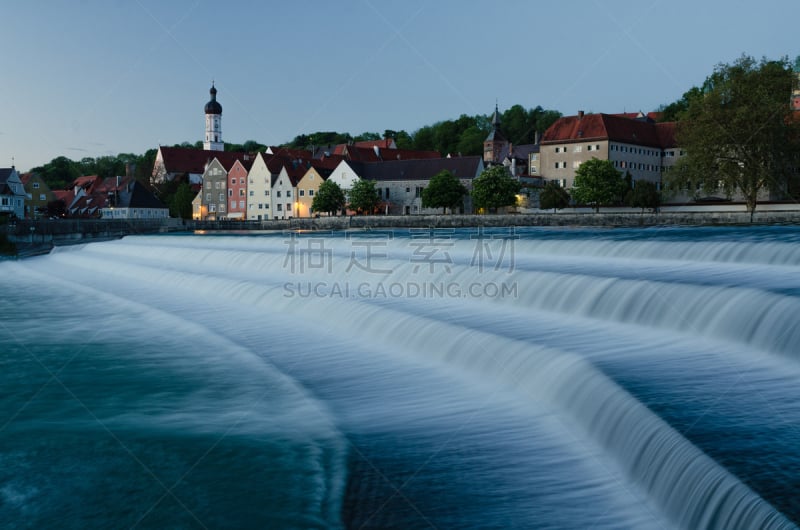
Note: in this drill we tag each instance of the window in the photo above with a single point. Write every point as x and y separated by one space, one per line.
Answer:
230 193
241 192
208 197
597 147
217 185
579 148
310 193
241 180
36 185
261 206
252 193
288 193
302 193
208 184
280 207
589 148
387 193
233 205
221 197
534 156
408 190
42 197
558 149
278 193
576 164
556 165
212 208
241 204
222 207
266 193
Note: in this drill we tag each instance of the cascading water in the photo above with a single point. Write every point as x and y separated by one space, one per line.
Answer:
402 379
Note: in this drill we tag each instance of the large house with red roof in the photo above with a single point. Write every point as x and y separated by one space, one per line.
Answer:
635 144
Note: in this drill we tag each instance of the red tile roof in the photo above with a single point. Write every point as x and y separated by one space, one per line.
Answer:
302 154
608 127
386 143
189 160
355 153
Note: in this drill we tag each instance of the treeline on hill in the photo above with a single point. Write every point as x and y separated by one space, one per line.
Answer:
464 135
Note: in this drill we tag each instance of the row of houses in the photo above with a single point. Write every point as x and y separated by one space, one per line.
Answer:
28 196
281 184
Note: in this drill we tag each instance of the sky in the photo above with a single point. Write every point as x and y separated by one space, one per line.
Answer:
89 78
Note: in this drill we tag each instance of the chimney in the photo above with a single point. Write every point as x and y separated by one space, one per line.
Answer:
535 137
130 169
580 114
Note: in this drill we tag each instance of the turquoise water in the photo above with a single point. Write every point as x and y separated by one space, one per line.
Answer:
530 378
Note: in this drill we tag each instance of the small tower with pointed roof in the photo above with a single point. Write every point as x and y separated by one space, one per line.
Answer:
213 138
796 86
495 143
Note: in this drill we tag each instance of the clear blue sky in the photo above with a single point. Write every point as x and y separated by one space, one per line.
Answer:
98 77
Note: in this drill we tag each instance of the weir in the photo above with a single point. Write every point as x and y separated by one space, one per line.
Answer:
235 287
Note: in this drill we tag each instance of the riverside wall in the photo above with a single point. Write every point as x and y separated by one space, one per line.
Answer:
539 219
29 238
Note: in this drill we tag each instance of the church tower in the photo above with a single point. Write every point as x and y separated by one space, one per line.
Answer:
495 143
796 86
213 139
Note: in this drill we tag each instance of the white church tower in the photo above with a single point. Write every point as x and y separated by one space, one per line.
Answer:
213 141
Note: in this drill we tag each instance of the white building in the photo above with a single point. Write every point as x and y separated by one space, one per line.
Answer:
12 193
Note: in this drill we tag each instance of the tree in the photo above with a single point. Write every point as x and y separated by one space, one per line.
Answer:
329 198
444 191
553 196
644 195
364 196
676 110
741 135
495 188
181 204
597 183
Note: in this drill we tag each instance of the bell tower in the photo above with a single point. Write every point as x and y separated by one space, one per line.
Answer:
213 138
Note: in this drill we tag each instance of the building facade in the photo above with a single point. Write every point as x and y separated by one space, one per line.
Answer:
12 193
38 195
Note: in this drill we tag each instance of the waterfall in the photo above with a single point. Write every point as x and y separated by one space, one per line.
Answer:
639 299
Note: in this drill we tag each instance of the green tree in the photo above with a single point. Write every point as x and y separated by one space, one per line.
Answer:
364 196
367 136
329 198
740 136
495 188
181 204
644 195
553 196
598 183
444 191
59 172
675 110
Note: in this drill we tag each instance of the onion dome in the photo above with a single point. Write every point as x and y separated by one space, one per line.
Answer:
213 106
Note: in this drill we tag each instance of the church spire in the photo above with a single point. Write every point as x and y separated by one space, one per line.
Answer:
496 142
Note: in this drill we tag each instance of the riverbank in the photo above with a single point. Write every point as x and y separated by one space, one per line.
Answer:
603 219
32 238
